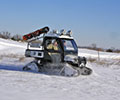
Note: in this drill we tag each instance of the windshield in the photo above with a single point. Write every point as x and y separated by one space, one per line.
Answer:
69 45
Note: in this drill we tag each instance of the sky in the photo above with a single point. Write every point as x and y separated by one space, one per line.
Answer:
91 21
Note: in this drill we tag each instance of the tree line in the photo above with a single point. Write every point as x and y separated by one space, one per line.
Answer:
8 35
94 47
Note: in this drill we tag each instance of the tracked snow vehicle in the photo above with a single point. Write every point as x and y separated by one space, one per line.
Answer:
56 52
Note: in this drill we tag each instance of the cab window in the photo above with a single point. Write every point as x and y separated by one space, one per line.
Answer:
69 45
52 44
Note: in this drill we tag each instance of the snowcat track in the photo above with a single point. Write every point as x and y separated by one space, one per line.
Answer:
58 69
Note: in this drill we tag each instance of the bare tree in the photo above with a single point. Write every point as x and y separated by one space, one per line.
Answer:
5 35
16 37
94 46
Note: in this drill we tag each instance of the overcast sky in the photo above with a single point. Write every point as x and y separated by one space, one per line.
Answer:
92 21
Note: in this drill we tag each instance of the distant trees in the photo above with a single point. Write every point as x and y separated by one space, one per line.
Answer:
113 50
5 35
8 35
94 47
109 50
16 37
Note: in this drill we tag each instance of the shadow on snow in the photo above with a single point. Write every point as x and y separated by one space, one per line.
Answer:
15 68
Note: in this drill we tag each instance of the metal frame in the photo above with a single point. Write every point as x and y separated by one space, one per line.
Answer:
29 41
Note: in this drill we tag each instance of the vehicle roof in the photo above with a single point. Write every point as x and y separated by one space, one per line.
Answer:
57 35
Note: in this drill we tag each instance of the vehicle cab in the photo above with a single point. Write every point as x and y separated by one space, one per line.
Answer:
65 46
55 47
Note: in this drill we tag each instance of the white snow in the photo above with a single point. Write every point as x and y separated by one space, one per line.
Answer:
94 54
8 47
15 84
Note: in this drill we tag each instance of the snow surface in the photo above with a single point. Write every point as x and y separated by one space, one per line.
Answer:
94 54
15 84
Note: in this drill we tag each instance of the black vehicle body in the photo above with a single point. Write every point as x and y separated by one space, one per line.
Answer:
58 48
54 52
43 55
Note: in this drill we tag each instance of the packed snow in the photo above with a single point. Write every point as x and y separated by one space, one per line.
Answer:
15 84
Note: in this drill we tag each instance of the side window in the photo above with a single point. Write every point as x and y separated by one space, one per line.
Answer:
36 43
52 44
69 45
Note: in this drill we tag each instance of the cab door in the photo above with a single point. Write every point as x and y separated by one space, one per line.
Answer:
53 50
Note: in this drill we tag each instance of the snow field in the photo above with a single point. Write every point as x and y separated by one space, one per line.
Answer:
15 84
